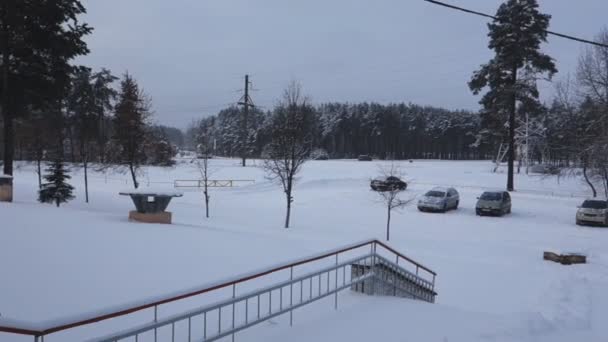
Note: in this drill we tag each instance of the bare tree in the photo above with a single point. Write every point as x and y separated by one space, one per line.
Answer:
390 198
592 73
289 146
203 166
592 77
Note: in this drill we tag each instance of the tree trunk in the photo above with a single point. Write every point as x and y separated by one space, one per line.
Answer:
133 176
388 224
86 179
38 162
510 180
9 133
206 198
287 216
588 180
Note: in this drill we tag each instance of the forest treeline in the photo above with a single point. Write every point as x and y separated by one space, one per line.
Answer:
342 130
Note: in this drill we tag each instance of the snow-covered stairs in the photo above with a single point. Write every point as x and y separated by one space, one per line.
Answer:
390 279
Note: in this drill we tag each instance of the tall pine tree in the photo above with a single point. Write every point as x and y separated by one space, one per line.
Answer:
38 38
516 35
56 189
131 115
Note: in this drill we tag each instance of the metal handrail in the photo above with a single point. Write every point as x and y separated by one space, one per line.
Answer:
210 182
37 330
251 295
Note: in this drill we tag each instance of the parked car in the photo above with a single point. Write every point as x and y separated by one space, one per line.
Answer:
319 154
364 157
544 169
390 183
439 199
593 211
493 203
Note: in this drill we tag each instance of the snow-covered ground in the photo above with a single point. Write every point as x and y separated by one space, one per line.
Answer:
492 282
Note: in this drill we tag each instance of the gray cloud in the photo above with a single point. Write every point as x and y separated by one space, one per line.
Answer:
191 55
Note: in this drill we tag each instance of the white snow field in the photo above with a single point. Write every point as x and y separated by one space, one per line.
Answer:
492 282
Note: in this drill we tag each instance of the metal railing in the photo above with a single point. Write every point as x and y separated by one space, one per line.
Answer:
211 183
256 303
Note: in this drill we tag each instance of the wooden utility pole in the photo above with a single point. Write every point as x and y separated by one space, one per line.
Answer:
246 102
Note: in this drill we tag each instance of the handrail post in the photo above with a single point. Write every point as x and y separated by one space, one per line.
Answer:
155 320
233 307
336 298
291 296
372 268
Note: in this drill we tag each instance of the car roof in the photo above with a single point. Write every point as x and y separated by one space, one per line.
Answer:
440 188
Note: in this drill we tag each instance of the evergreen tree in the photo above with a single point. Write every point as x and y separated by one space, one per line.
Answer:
56 189
515 36
38 38
131 135
104 96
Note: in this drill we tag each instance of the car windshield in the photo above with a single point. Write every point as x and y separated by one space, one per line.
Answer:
491 196
434 193
595 204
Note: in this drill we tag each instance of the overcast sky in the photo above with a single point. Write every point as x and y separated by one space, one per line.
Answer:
191 55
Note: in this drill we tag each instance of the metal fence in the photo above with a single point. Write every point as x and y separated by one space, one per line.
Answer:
211 183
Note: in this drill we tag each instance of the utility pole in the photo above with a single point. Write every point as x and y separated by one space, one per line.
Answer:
246 102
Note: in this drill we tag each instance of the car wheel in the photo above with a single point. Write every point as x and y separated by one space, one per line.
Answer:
445 208
578 222
456 206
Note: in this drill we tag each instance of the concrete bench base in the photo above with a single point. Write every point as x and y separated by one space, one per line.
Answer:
163 218
6 193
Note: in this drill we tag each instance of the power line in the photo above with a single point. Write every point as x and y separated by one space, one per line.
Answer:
561 35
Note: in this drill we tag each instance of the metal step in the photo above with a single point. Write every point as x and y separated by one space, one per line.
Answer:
390 279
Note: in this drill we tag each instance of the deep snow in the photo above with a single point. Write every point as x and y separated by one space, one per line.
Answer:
492 282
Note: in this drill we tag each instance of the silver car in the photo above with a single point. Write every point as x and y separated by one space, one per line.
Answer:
439 199
593 211
493 203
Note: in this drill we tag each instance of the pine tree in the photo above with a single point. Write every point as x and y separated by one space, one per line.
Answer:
56 189
515 35
131 135
37 41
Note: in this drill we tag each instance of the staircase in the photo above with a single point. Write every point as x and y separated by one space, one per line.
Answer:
390 279
364 267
